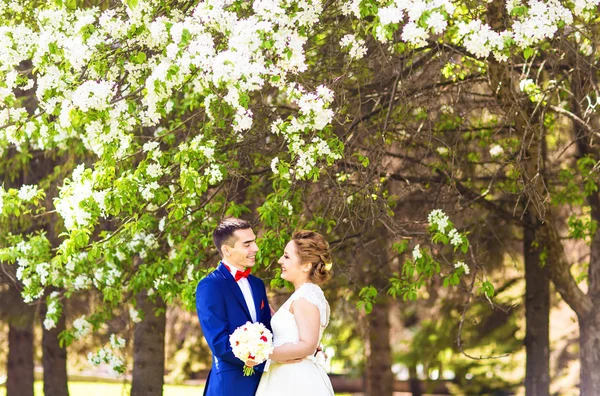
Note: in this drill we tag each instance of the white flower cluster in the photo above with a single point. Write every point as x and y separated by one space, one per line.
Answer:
351 7
108 356
252 341
479 39
212 47
438 218
314 114
93 95
355 46
33 272
107 276
214 174
141 243
287 205
413 10
75 197
82 327
464 266
455 238
541 22
496 150
529 87
134 315
274 169
538 21
417 252
160 281
117 342
27 193
52 312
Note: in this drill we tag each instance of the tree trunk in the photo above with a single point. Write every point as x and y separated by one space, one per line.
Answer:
537 316
149 348
413 381
380 380
20 360
589 341
54 360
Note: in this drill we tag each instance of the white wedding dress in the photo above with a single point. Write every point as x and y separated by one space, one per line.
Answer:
308 377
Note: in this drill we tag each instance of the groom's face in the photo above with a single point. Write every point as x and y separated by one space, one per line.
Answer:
241 250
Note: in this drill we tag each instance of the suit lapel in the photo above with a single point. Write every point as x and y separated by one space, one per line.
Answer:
255 295
235 289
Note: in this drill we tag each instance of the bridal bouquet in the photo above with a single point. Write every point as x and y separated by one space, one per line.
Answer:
252 341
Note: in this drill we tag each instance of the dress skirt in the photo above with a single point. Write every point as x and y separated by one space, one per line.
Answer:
306 378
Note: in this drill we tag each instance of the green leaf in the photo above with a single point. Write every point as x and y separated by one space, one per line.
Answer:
518 11
132 3
527 53
400 247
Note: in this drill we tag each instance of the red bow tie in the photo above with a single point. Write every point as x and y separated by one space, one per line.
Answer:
239 274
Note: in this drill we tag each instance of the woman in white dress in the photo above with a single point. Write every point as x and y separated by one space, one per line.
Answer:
298 325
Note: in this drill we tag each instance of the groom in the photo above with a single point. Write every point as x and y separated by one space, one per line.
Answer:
226 299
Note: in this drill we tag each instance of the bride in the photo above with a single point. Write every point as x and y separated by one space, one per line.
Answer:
298 325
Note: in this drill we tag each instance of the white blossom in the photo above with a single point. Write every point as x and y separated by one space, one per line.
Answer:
455 237
287 205
82 327
355 45
214 173
496 150
27 192
389 15
93 95
417 252
462 265
440 219
437 22
274 168
116 342
134 315
414 34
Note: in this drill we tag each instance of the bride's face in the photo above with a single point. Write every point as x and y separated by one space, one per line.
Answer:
292 270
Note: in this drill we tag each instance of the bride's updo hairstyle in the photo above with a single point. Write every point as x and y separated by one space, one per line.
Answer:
313 248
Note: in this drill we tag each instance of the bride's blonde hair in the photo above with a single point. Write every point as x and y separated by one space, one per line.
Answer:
314 249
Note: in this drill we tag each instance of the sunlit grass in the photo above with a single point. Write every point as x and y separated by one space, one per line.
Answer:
107 389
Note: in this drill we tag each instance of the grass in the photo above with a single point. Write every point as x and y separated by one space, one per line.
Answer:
107 389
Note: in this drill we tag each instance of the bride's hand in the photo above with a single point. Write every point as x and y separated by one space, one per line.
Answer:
319 349
298 360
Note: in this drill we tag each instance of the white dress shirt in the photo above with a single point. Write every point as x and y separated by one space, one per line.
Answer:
244 285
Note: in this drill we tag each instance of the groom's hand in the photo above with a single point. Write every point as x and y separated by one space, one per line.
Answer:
251 363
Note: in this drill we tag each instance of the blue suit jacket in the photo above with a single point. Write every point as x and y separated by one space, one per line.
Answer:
222 309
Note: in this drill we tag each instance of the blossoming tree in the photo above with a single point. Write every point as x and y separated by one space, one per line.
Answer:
160 101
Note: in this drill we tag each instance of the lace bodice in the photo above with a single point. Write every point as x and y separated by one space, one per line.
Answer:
283 322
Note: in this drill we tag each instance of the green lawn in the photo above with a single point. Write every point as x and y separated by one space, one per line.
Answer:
106 389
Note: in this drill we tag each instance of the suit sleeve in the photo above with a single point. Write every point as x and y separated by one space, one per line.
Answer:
210 306
267 316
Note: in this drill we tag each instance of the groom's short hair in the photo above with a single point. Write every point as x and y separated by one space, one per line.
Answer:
225 229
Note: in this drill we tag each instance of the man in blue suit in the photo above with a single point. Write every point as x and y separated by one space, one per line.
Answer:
226 299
